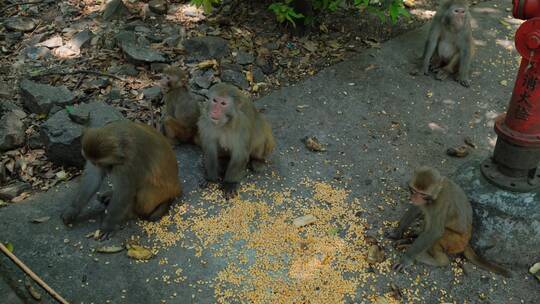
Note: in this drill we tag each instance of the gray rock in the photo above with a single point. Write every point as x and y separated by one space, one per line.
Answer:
232 66
12 190
236 78
125 69
35 141
40 98
13 37
37 53
135 50
6 91
258 75
152 93
204 79
12 127
62 135
265 64
173 40
244 58
115 9
81 39
158 6
20 24
203 48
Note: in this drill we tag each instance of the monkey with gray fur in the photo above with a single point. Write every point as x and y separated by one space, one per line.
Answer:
231 126
448 226
449 47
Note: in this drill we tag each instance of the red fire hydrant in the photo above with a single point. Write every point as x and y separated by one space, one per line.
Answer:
517 153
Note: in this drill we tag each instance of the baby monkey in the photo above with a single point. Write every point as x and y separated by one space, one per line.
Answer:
447 217
182 110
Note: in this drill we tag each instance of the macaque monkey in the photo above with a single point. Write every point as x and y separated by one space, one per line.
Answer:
142 167
231 126
181 111
447 222
449 47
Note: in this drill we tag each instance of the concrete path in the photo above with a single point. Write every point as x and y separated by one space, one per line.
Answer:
378 123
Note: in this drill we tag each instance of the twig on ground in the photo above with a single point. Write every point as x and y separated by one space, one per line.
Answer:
78 72
34 276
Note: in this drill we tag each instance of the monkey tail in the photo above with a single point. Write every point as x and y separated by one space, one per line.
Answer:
481 262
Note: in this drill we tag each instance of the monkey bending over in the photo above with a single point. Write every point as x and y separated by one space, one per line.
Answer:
449 47
142 167
181 111
447 222
231 126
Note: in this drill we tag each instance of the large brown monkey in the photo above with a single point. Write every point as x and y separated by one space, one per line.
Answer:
447 222
449 47
231 126
181 111
142 167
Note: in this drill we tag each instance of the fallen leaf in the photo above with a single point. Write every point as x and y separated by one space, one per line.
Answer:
313 144
110 249
468 141
460 151
211 63
40 220
304 220
139 252
9 247
31 290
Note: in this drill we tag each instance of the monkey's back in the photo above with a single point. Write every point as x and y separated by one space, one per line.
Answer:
182 106
459 217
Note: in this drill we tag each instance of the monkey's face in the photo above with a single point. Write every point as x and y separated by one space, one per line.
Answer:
457 14
419 198
220 109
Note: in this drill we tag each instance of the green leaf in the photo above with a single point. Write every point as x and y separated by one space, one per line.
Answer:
9 247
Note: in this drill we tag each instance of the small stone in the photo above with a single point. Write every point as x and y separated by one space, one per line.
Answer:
158 6
244 58
20 24
236 78
304 220
152 93
115 9
12 190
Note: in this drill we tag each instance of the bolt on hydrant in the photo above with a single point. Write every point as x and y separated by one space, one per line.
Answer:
514 164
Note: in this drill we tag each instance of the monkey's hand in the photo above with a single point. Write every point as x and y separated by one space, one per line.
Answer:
230 189
69 215
464 82
395 234
106 234
403 263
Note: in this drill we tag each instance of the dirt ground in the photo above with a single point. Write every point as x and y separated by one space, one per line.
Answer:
376 122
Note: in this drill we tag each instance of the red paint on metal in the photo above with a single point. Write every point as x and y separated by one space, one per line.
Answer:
521 124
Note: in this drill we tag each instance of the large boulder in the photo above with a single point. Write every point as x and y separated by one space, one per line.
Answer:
41 98
62 132
209 47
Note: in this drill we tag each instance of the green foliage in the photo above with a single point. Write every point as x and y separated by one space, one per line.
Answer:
206 4
284 11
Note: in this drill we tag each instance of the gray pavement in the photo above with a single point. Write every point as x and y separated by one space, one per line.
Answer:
378 123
